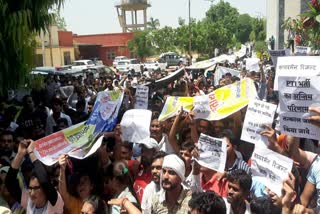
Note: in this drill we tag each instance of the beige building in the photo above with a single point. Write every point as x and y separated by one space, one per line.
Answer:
55 48
277 12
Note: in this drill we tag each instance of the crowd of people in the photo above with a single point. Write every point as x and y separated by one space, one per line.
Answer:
159 174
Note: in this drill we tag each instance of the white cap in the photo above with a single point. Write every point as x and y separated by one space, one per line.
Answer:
150 143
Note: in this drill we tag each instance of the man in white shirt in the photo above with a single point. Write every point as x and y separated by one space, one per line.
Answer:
56 114
154 186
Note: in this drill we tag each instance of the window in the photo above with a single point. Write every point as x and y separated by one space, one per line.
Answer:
38 60
110 54
66 58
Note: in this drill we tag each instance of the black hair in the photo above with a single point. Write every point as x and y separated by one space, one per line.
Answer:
81 103
97 204
207 202
228 133
62 120
159 155
187 145
263 205
127 145
240 176
24 99
6 132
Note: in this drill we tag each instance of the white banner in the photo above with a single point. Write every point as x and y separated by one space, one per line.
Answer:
296 95
297 66
278 53
135 125
213 153
142 95
272 168
258 115
252 64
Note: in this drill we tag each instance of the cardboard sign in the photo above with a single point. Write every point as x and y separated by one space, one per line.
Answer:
258 115
142 95
213 153
135 125
301 66
296 95
272 168
252 64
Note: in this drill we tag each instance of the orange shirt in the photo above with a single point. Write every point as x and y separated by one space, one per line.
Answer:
219 187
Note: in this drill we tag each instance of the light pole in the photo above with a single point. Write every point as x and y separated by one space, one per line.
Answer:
190 32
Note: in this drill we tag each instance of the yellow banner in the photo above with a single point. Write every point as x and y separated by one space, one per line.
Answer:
215 106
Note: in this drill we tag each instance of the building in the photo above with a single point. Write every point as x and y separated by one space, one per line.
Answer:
54 48
103 46
277 12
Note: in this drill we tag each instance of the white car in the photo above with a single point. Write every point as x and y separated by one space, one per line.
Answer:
124 66
117 59
82 64
154 65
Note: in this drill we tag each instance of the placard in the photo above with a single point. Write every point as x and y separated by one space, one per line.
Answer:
258 115
142 96
278 53
272 168
212 153
296 95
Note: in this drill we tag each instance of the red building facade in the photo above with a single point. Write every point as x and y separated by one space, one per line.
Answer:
103 46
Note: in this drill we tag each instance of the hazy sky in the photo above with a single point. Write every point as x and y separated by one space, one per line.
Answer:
100 16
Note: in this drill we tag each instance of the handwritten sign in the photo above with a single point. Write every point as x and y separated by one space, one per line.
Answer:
278 53
142 94
296 95
258 115
135 125
297 66
272 168
213 153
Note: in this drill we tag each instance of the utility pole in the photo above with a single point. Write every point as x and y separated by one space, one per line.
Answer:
190 32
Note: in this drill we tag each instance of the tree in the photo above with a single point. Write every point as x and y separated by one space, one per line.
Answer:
58 20
153 24
19 23
244 27
140 45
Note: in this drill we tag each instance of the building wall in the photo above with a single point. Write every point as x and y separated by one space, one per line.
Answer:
277 12
57 55
65 38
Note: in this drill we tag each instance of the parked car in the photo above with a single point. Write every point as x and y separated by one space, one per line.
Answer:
154 65
96 70
173 59
132 65
47 70
82 64
117 59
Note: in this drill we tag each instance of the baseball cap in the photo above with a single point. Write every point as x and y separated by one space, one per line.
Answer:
150 143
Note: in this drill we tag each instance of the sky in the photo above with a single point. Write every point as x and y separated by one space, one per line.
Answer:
100 16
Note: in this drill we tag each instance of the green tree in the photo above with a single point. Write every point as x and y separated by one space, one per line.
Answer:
153 24
19 23
244 28
224 14
140 45
59 20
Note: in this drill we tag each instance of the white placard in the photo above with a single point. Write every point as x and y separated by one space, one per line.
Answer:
297 66
295 96
212 152
272 168
258 115
135 125
278 53
252 64
142 95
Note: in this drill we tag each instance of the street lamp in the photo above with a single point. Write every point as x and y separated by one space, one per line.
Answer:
190 31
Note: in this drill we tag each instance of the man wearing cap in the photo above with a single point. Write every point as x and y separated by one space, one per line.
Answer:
149 147
172 198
